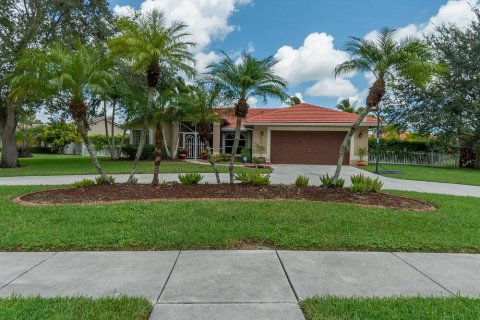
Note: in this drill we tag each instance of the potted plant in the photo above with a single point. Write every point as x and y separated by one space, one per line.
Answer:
204 154
182 153
260 148
362 152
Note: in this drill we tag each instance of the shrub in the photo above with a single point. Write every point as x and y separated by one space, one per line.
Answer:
360 183
302 181
190 178
83 183
102 180
246 153
148 152
222 157
327 181
259 160
42 150
254 178
134 180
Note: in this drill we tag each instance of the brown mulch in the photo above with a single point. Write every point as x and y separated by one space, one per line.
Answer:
170 192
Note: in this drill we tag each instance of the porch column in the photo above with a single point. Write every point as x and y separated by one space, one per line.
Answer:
216 138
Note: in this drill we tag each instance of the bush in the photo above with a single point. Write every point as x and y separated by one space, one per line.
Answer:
222 157
360 183
42 150
102 180
148 152
402 146
327 181
302 181
258 160
190 178
254 178
246 153
83 183
134 180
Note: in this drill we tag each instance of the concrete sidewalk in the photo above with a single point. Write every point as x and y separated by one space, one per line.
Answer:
255 284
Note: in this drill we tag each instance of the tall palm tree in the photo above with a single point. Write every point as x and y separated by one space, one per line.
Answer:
385 58
242 80
149 45
71 76
199 105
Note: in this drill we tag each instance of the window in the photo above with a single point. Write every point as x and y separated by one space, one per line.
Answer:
228 143
136 134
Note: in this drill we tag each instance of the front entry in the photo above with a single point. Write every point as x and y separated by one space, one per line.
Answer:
306 147
194 145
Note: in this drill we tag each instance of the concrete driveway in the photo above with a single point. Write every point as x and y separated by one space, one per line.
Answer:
287 173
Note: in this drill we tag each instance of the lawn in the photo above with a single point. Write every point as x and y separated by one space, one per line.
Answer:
434 174
391 308
51 165
218 225
74 308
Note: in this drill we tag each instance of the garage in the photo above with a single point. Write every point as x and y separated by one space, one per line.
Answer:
306 147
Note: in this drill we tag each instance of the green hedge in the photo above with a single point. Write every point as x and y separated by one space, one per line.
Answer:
148 152
400 146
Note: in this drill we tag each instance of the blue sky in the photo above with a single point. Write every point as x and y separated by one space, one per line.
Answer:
265 26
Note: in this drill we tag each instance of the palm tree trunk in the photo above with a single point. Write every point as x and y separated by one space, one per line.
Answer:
9 142
167 150
236 142
206 142
122 143
175 139
83 133
114 155
375 95
151 93
158 152
105 120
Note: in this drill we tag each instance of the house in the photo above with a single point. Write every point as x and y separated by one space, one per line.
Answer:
96 127
301 134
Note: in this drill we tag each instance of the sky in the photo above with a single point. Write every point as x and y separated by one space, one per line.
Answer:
306 36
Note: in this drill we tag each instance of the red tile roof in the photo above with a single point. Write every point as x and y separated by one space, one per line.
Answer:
303 113
230 118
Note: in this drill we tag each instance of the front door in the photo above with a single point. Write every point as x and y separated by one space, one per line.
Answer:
194 145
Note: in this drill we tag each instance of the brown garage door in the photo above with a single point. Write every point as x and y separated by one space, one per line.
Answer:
306 147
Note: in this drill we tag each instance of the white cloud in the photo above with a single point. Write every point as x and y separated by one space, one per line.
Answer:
207 19
457 12
252 102
314 60
205 59
330 87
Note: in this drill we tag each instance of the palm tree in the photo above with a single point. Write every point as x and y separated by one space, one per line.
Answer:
200 104
293 101
346 106
242 80
385 58
149 45
71 76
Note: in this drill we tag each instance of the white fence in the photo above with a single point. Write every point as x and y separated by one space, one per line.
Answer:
433 159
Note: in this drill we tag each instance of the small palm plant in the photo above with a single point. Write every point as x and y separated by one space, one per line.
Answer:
385 58
243 80
70 76
150 46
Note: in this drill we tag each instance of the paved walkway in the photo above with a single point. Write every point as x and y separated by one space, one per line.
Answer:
285 174
256 284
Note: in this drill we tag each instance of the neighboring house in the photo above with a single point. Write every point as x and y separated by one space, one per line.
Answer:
301 134
97 126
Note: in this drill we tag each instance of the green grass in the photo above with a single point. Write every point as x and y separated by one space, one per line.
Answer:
51 165
37 308
434 174
331 308
216 225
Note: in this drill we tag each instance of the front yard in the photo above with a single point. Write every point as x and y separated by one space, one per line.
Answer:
219 225
19 308
52 165
391 308
434 174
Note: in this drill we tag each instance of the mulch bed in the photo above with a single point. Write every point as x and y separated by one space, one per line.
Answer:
170 192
